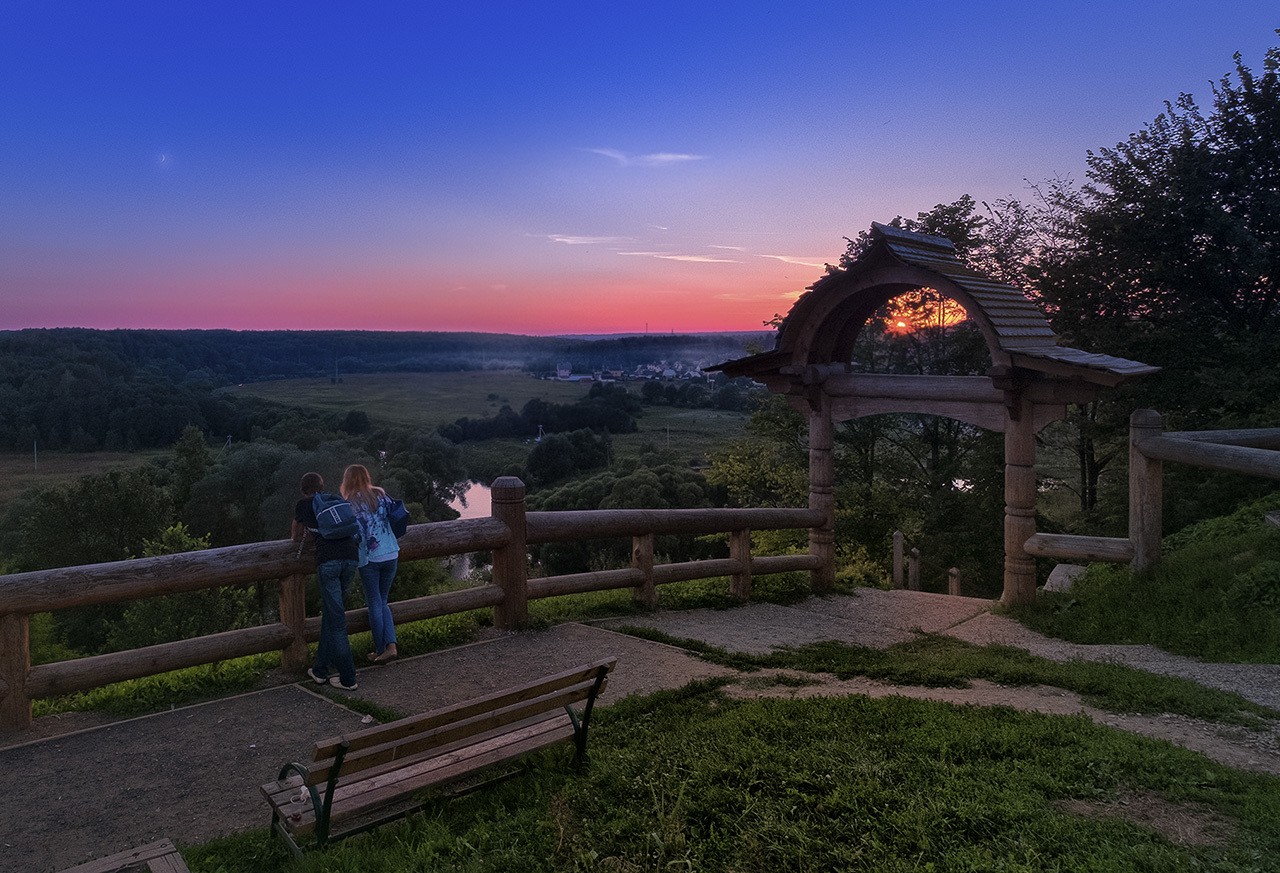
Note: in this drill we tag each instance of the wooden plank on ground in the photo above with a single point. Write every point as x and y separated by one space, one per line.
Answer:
159 857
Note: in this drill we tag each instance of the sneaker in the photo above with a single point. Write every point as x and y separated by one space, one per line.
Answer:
316 677
336 682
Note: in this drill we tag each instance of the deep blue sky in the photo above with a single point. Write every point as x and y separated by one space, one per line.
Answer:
536 167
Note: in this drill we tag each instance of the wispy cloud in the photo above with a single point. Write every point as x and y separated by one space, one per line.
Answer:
789 259
695 259
571 240
654 159
728 248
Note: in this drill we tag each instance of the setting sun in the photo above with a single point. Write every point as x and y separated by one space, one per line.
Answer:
921 308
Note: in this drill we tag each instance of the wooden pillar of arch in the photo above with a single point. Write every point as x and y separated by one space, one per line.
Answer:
822 490
1019 503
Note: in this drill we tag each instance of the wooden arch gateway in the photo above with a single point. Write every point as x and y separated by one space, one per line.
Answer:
1031 381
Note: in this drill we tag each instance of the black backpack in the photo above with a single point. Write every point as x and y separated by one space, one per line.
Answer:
335 517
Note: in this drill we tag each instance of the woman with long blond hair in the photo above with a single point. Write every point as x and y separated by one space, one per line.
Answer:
381 554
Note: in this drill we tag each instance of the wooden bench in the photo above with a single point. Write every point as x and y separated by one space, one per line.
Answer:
160 857
355 778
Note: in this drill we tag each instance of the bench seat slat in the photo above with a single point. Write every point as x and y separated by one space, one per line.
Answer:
278 792
404 747
356 798
415 724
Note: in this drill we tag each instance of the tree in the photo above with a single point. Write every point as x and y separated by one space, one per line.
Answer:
191 461
1174 258
180 616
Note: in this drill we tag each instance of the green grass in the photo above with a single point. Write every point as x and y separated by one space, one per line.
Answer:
692 780
430 399
1215 595
418 399
20 471
684 434
944 662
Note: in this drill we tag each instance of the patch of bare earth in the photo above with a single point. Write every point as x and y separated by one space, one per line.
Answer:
1246 749
1187 824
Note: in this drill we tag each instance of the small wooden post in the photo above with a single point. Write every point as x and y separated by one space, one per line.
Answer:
899 579
511 562
15 663
822 493
1019 504
1146 490
646 593
913 570
293 615
740 551
953 581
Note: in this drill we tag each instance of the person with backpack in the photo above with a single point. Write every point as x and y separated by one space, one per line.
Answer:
380 555
331 520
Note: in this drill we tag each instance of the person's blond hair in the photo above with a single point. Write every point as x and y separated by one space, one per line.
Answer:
358 487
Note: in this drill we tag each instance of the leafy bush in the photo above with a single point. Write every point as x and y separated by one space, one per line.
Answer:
1214 595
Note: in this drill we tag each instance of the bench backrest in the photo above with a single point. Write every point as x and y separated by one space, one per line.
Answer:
419 734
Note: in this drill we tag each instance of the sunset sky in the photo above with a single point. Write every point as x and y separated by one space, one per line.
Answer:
536 167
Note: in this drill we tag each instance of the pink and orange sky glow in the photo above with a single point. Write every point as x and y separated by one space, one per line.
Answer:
575 167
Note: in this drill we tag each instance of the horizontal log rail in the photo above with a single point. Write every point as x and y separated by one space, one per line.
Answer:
1226 458
82 674
1115 549
551 527
506 534
119 581
1256 438
1253 452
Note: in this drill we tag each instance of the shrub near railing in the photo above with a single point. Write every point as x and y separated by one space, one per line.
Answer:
507 534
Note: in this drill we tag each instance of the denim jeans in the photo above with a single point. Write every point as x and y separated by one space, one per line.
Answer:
376 578
334 652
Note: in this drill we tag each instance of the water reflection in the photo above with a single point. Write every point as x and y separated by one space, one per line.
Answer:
475 502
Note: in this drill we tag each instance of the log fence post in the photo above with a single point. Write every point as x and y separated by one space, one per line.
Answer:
511 562
646 593
1019 504
822 493
1146 490
293 615
899 579
953 581
15 663
740 551
913 570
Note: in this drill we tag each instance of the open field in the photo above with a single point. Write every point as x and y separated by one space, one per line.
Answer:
422 399
430 399
19 471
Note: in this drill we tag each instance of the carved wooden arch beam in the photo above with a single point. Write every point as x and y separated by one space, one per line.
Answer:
836 314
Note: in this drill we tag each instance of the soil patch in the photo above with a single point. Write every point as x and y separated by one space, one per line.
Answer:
1187 824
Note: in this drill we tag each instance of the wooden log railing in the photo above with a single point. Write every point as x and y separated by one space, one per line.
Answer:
507 534
1251 452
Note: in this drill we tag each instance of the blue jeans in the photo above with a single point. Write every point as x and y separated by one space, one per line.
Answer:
334 652
376 579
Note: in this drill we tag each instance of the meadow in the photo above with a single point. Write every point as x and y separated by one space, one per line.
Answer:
417 399
20 470
430 399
